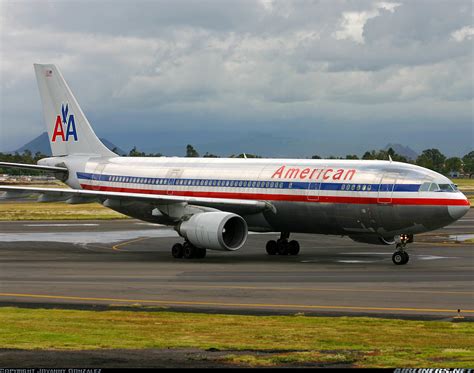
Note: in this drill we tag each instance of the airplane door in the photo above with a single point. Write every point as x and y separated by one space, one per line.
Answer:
97 175
173 176
386 187
314 189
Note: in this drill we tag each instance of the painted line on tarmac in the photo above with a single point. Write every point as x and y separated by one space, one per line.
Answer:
62 225
116 247
224 304
277 288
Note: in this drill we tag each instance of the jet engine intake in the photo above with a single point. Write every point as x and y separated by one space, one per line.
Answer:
215 230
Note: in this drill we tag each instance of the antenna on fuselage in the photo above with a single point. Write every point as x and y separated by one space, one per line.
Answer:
390 158
245 155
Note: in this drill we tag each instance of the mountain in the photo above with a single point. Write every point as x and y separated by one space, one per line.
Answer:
406 151
41 144
38 144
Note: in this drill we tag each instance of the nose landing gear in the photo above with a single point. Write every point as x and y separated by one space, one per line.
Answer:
400 256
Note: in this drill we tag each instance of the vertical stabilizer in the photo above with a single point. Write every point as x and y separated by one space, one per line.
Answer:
68 129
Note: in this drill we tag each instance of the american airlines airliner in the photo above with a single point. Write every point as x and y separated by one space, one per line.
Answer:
214 202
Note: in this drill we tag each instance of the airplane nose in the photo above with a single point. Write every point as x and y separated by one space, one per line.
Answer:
457 212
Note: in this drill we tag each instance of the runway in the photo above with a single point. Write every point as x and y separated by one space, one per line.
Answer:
128 263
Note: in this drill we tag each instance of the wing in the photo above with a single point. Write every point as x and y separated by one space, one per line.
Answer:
241 206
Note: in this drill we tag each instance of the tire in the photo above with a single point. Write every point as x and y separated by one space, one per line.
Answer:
293 247
399 258
189 251
406 257
177 251
271 247
282 246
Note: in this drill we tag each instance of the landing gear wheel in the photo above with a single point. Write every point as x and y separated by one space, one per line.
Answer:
189 251
406 257
400 257
293 247
282 247
177 251
271 247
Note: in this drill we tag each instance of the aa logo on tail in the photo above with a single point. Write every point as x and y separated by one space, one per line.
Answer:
64 121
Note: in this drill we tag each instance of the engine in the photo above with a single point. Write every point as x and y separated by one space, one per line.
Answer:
215 230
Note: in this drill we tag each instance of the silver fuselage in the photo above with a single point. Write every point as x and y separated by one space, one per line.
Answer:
343 197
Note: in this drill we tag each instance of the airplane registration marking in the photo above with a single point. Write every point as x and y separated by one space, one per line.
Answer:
231 304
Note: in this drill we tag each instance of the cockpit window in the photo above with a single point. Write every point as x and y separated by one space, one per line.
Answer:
446 188
424 187
434 187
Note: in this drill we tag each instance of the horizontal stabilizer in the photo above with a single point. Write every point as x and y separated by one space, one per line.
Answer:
33 167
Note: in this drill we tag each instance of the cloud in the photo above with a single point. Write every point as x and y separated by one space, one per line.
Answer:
465 33
352 23
283 67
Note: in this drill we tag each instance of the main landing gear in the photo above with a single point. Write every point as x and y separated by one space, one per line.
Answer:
282 246
400 256
187 251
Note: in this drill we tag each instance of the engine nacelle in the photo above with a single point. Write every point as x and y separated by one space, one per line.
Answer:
374 240
215 230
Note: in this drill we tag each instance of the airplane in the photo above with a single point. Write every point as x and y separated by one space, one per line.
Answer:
214 202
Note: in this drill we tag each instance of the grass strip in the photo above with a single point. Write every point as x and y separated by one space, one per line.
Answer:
357 341
10 211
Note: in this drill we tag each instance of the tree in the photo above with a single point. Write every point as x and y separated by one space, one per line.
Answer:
453 164
25 157
135 153
351 156
315 157
369 155
432 159
210 155
191 152
468 161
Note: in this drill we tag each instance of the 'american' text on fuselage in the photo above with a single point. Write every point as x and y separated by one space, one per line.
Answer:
313 173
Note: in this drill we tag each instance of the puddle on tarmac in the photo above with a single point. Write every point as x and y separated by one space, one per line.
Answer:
461 237
86 237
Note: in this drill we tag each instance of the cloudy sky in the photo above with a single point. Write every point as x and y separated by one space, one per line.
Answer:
278 78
